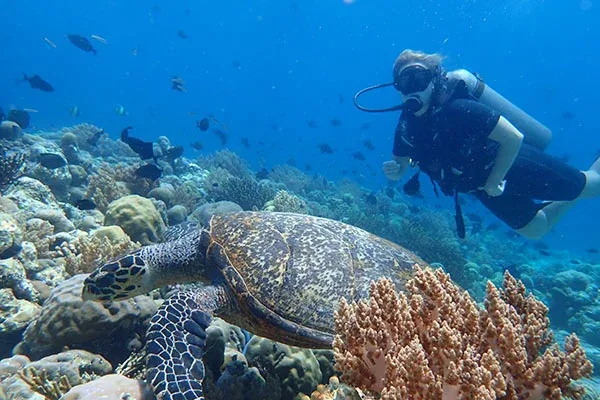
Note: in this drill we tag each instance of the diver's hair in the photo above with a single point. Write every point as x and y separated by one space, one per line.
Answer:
433 62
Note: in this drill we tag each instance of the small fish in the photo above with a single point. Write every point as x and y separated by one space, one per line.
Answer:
197 146
575 261
120 110
324 148
174 153
36 82
21 117
134 51
567 115
358 156
149 171
340 99
592 251
371 199
12 251
368 144
389 192
203 124
144 149
262 174
236 64
74 111
336 122
93 140
99 38
245 142
178 84
545 253
221 135
81 43
52 160
50 42
365 126
308 167
181 33
85 204
312 124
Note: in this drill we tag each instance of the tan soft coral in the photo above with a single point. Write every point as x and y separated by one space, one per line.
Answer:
434 342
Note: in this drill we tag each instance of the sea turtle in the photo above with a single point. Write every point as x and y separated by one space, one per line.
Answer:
278 275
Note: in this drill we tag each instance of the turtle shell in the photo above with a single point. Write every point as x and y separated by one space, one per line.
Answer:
295 268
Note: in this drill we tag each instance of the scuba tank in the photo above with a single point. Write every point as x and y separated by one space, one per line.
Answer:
536 134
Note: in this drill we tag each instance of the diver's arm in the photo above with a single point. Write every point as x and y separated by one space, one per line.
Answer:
395 168
510 140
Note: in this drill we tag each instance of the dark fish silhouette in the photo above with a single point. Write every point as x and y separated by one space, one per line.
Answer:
389 192
144 149
308 167
203 124
149 171
21 117
221 135
592 251
368 144
336 122
545 253
174 153
82 43
2 115
365 126
52 160
340 99
312 124
93 140
371 199
197 146
262 174
324 148
236 64
568 115
245 142
178 84
11 251
181 33
85 204
358 156
36 82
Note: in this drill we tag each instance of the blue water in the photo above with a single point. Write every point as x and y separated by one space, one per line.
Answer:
265 68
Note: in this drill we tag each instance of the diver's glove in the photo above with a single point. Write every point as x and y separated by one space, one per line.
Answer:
494 190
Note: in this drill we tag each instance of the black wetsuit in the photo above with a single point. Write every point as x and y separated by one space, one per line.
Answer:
450 144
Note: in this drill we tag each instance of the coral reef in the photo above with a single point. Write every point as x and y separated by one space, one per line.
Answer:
138 217
11 166
286 202
245 191
434 342
110 329
51 377
111 387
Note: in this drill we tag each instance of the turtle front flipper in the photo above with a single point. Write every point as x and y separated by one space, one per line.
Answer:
175 342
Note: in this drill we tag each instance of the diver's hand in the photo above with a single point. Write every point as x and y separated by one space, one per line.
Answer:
393 170
494 190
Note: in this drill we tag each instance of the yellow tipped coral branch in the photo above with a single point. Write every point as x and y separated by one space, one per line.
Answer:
435 343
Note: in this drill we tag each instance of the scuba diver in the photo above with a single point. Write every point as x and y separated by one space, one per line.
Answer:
469 139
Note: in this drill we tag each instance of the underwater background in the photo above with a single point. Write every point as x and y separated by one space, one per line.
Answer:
275 80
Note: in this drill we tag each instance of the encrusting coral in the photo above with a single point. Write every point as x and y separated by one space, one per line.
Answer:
434 342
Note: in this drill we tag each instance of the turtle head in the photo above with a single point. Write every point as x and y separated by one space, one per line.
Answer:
119 279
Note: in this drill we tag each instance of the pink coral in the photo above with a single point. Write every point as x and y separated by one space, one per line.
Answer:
434 342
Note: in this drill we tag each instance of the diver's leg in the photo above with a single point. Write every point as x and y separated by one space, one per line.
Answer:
546 218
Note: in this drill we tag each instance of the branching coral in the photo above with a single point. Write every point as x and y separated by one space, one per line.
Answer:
434 342
246 192
286 202
85 253
39 382
11 166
